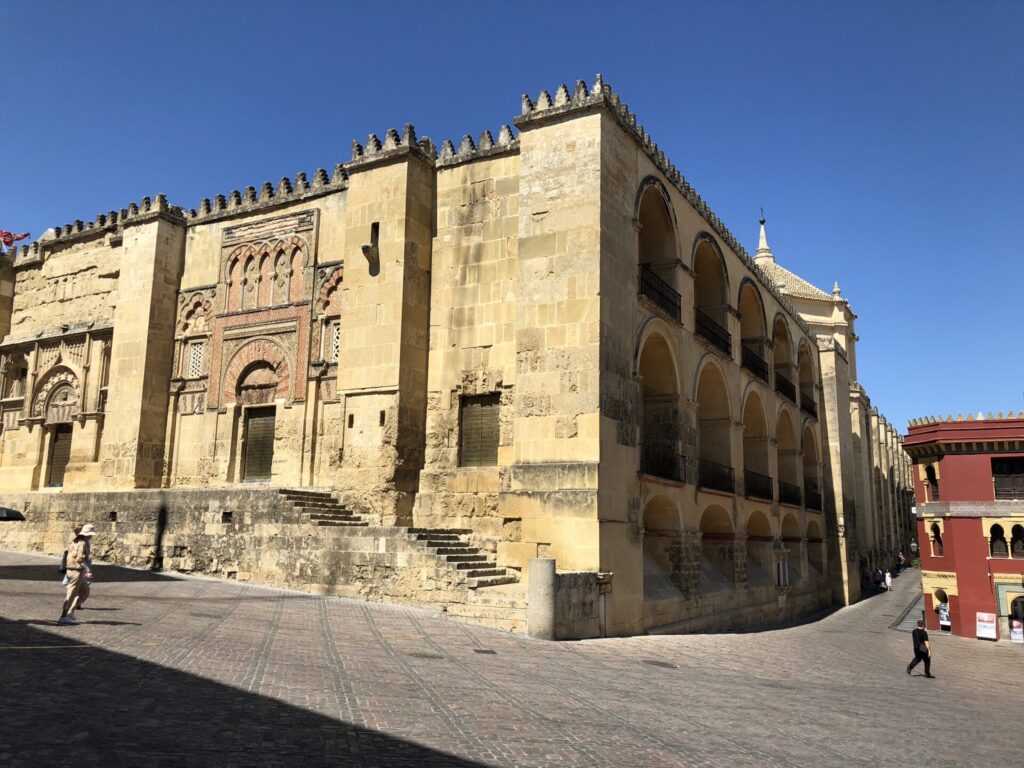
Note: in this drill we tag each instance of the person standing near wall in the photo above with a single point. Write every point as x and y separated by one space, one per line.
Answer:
78 573
922 650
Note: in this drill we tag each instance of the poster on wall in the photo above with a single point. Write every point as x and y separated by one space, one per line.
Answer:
944 615
1017 631
986 626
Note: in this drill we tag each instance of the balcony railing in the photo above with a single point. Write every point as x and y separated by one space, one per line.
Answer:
659 292
785 387
709 328
663 460
718 477
812 498
756 485
1007 487
807 403
754 363
789 493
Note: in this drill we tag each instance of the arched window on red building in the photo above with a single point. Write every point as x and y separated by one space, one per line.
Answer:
997 542
1017 541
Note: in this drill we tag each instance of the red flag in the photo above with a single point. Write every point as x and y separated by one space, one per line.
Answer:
9 238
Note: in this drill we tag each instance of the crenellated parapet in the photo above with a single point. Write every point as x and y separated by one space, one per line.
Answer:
601 96
269 196
394 146
486 146
111 223
949 418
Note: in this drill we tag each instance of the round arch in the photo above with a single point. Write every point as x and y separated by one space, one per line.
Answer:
264 352
657 244
788 453
57 378
660 428
714 417
711 279
757 482
750 305
790 528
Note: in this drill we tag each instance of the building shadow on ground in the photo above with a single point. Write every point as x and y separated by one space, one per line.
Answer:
69 702
50 572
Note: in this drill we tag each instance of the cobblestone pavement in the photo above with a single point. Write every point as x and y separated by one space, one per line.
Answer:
189 671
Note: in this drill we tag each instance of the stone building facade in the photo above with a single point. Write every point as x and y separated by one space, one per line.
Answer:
544 341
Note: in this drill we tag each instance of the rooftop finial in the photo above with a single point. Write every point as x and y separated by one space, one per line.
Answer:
764 253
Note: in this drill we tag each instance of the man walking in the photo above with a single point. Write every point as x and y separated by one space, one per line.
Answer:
79 558
922 650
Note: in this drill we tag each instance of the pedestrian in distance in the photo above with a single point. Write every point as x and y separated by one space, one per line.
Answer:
922 650
888 581
878 577
78 559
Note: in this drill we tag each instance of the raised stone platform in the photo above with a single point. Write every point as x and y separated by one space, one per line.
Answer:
296 538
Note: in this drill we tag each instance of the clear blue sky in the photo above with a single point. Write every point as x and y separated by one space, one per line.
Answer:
883 139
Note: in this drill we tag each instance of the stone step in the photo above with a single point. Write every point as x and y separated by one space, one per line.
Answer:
438 537
350 523
490 581
478 562
451 550
466 558
476 573
305 492
462 531
327 510
338 517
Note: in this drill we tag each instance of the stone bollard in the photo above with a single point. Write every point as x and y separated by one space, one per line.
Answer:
540 608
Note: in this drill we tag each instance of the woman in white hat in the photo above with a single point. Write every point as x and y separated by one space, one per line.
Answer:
79 559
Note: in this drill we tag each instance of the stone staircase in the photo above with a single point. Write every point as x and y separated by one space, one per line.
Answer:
322 508
477 567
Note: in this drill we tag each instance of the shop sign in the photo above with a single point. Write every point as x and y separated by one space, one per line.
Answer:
986 626
944 615
1017 631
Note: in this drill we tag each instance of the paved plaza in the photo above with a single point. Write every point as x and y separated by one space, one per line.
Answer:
171 671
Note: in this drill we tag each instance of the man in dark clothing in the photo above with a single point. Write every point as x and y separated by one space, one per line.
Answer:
922 650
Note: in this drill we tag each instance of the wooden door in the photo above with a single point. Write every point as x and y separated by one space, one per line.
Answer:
60 454
259 443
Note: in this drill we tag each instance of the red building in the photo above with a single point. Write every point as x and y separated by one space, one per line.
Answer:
969 484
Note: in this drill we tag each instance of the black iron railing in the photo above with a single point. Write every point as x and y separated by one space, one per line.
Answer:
789 493
716 476
812 498
807 403
756 485
659 292
709 328
785 387
754 363
1007 487
663 460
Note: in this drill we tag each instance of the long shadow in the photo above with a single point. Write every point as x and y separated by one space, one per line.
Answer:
49 572
65 701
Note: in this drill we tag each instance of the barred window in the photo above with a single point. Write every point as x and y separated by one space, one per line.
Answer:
335 337
478 436
195 359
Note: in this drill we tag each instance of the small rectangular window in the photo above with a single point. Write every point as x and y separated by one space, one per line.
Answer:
382 418
478 435
195 359
351 420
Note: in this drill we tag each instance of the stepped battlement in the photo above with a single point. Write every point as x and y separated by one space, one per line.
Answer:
1000 416
601 95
